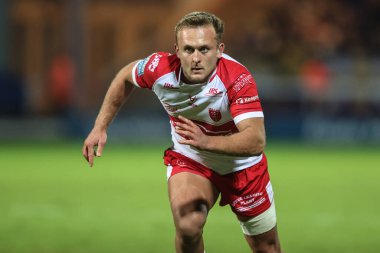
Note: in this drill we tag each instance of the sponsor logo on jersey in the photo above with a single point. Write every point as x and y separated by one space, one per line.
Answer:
141 66
247 199
181 163
241 81
153 65
213 92
247 100
243 206
169 86
215 114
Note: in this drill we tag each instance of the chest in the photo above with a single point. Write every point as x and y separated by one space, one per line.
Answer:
204 102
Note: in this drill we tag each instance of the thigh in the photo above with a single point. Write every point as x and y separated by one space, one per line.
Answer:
265 242
189 184
249 192
190 192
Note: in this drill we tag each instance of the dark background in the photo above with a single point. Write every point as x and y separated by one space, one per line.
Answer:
316 64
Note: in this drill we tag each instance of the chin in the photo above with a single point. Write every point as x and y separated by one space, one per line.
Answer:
195 78
198 79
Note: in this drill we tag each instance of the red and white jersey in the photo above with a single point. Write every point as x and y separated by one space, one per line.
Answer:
228 97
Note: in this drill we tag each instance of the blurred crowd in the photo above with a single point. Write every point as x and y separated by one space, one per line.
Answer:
285 34
61 55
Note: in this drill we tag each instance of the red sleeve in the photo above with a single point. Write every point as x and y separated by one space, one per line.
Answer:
241 89
147 71
244 97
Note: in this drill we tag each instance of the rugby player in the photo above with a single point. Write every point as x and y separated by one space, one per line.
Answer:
217 129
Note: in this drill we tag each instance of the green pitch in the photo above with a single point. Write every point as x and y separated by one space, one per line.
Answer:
327 200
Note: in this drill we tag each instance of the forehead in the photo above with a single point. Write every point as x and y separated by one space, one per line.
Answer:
195 36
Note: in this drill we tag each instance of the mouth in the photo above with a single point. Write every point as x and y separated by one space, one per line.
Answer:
196 69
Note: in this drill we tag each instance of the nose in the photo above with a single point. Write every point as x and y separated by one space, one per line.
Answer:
196 56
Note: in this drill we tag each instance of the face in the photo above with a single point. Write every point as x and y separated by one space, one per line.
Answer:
198 52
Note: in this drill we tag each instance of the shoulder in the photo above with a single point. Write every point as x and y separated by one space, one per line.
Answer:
232 72
151 68
159 62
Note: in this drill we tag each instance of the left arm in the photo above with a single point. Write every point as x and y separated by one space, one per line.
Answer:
250 140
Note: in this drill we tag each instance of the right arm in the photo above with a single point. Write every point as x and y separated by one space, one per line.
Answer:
118 92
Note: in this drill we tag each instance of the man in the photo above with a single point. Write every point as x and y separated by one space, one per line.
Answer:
217 128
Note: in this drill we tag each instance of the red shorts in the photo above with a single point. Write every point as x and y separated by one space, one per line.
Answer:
248 192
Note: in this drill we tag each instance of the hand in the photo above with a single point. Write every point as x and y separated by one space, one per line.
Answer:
191 133
94 144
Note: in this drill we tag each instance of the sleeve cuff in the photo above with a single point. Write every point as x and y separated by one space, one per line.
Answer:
248 115
134 75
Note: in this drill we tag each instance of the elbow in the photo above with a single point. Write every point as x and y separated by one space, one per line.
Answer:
262 146
257 147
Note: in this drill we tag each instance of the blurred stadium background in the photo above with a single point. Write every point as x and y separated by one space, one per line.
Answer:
317 65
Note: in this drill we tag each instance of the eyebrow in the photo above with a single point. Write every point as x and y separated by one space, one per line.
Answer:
197 47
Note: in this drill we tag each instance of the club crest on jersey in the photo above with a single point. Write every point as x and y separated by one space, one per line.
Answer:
215 115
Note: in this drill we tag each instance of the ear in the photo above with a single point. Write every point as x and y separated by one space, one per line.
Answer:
220 50
176 48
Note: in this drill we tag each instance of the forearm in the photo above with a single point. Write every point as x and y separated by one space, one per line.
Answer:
245 143
117 94
249 140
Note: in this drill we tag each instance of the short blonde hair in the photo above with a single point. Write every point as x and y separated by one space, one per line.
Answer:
201 18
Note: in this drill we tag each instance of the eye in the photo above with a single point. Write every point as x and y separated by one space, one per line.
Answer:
204 50
189 50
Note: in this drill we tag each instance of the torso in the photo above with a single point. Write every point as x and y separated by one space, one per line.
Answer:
230 95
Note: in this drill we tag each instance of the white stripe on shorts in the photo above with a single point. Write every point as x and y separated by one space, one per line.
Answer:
169 170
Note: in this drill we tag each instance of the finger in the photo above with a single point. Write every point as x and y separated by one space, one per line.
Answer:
182 133
186 142
91 160
188 125
185 131
185 120
84 152
179 128
183 126
90 155
99 150
182 118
